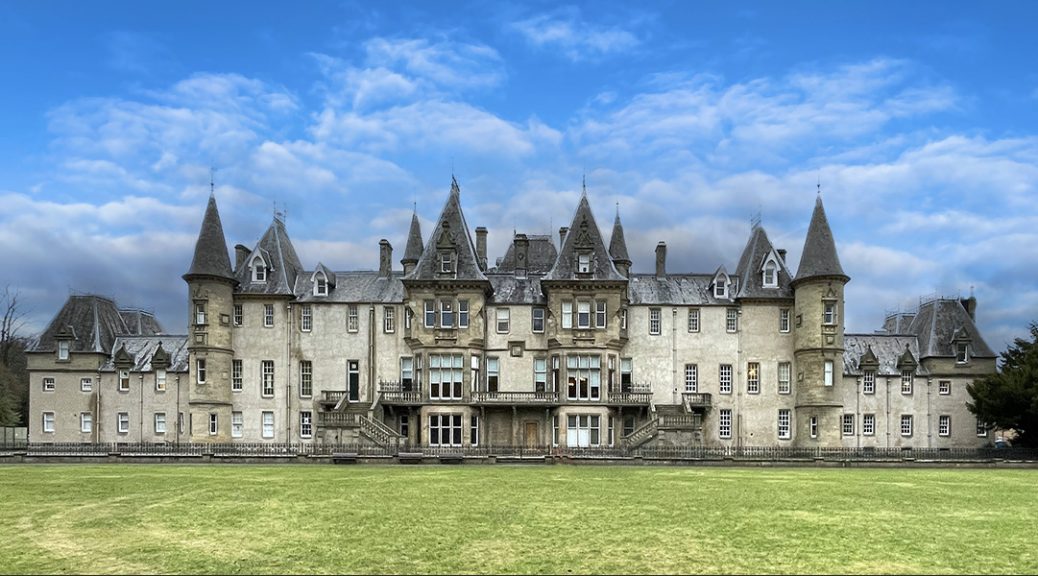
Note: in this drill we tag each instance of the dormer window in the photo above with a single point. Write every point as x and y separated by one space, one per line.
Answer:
962 352
63 348
721 287
770 274
584 263
259 270
321 286
446 263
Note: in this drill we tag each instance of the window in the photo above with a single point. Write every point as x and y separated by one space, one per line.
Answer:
555 373
388 321
753 378
583 314
582 430
770 274
731 320
306 318
352 319
813 426
430 314
906 424
446 314
63 349
124 380
555 430
584 373
944 387
446 262
600 314
721 287
474 430
848 424
267 383
724 378
783 424
628 424
445 376
321 285
785 371
199 313
540 374
962 352
406 373
259 271
828 373
306 378
654 321
502 320
691 378
868 424
609 430
48 422
907 378
784 320
404 423
238 315
583 263
944 425
538 320
306 424
567 314
213 424
626 374
236 377
160 422
123 422
693 319
623 318
86 384
463 313
86 422
237 424
868 382
493 369
724 423
267 420
160 380
48 384
829 312
445 430
982 429
268 315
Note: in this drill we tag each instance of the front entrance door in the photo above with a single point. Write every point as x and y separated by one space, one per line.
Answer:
533 439
353 381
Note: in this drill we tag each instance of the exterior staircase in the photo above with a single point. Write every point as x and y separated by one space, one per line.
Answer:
378 432
642 434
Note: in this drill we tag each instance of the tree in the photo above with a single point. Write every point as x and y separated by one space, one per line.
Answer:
1008 399
14 374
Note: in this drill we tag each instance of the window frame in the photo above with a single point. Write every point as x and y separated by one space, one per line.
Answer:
784 324
724 423
868 424
944 387
237 424
237 379
567 314
306 379
49 384
907 382
907 425
731 320
753 377
306 424
785 378
388 319
86 384
267 429
655 321
214 424
537 319
828 373
200 371
830 315
868 382
86 422
237 315
944 425
724 379
352 318
693 320
122 423
268 315
847 424
463 313
506 318
601 314
267 386
785 429
157 419
692 378
47 424
306 318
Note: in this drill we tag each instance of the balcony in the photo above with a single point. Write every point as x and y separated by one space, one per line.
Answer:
680 421
524 398
631 395
399 394
696 400
332 397
338 419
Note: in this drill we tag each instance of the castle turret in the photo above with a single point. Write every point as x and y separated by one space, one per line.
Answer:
413 249
818 336
210 282
618 248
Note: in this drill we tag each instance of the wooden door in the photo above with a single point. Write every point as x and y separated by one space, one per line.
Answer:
532 437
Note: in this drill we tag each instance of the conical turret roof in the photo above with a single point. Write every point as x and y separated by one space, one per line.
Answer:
450 236
211 257
583 237
819 257
413 250
279 255
617 244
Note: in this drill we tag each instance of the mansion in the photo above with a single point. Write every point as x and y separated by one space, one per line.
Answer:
558 343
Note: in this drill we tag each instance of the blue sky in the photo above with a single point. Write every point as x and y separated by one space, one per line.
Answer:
918 119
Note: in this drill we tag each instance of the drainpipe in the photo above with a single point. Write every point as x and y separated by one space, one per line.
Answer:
857 412
929 415
886 419
674 353
140 418
290 327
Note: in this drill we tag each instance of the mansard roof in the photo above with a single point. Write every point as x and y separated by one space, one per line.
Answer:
819 257
617 244
673 289
939 322
91 324
141 350
413 250
583 237
540 257
283 266
353 287
211 257
751 267
451 234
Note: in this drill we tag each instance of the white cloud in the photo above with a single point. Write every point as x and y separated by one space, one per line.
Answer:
577 39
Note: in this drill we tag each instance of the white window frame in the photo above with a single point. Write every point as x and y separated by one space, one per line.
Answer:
567 314
267 424
160 379
753 377
962 353
200 315
306 379
306 318
829 368
906 424
48 384
868 382
785 378
122 420
320 284
691 378
446 376
731 320
388 319
907 382
124 380
829 313
584 263
724 423
540 374
430 314
601 314
267 378
784 320
237 315
200 373
847 424
47 424
784 424
445 426
268 315
583 314
769 274
259 269
63 349
693 320
352 318
473 430
655 321
812 426
463 313
721 287
944 387
86 422
584 377
159 423
583 430
504 323
724 379
236 375
214 424
306 424
86 384
237 424
446 313
446 263
944 425
868 424
982 429
537 319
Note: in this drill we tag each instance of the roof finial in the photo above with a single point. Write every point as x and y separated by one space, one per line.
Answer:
212 185
583 185
617 210
819 183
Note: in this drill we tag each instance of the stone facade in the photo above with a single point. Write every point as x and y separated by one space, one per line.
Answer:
557 343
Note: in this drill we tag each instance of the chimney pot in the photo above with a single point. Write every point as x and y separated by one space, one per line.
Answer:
782 254
385 258
661 259
562 236
241 253
481 247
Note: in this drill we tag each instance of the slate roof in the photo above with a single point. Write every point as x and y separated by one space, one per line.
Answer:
938 322
511 290
617 244
751 266
94 322
451 232
540 257
819 257
283 264
673 289
413 250
583 235
887 348
211 257
353 287
142 349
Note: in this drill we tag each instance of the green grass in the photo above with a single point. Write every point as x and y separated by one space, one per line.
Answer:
494 519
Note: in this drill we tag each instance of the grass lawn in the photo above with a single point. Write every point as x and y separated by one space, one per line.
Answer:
525 519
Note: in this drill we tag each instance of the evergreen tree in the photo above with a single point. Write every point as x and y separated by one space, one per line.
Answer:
1008 399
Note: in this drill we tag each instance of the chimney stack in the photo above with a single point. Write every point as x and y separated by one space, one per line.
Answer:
782 254
241 253
661 259
385 258
481 247
522 254
562 236
970 304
